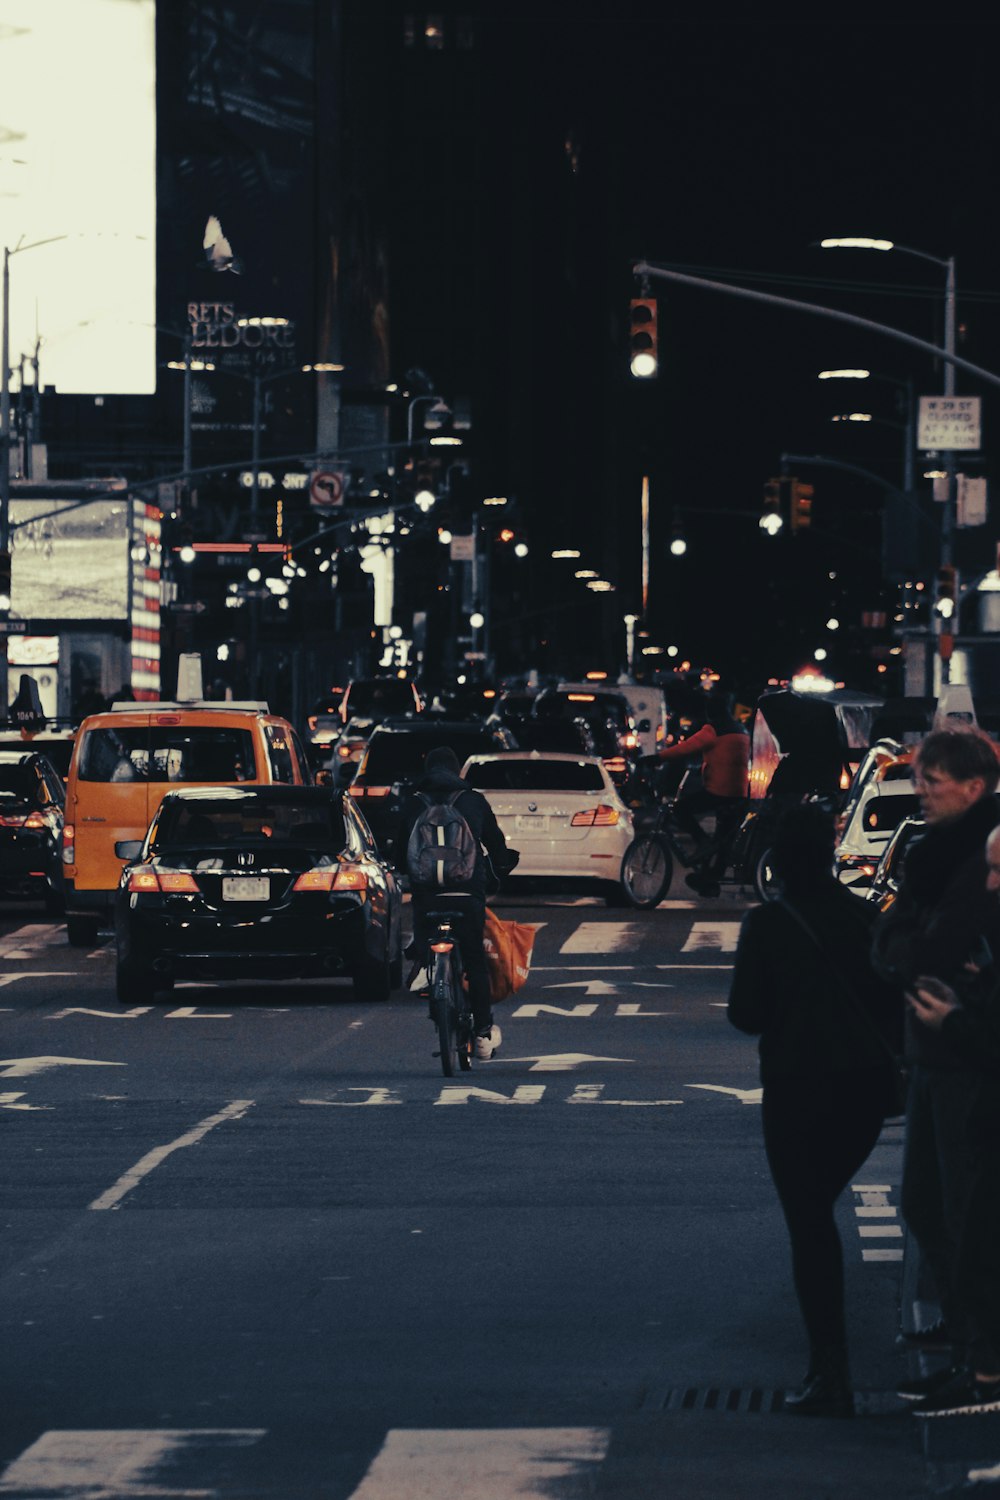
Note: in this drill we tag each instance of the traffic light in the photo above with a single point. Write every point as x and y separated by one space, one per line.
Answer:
800 505
771 519
946 592
643 354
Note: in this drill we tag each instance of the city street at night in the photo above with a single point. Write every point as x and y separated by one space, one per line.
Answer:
255 1245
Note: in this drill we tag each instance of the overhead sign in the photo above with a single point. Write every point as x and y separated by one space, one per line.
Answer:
326 489
948 422
463 548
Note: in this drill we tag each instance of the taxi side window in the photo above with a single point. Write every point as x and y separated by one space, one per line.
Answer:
279 752
305 775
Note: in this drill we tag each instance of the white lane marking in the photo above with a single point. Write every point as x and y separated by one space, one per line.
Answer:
148 1163
33 974
110 1015
25 1067
980 1476
191 1013
564 1062
375 1096
527 1463
591 1093
116 1464
588 968
9 1101
525 1093
589 986
602 937
745 1096
873 1203
706 967
532 1012
26 942
721 936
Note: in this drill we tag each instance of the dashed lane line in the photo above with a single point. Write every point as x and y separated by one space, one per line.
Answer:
130 1180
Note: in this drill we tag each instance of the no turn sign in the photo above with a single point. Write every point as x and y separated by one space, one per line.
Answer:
326 489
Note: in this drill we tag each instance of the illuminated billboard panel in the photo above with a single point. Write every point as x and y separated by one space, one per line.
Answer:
69 561
78 169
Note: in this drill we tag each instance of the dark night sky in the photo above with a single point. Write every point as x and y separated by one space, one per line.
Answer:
729 146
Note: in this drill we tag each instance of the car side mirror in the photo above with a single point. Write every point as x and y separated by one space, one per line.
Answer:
128 849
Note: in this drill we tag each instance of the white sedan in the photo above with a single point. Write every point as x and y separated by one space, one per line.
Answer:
562 812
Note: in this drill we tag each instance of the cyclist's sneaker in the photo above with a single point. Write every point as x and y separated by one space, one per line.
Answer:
487 1043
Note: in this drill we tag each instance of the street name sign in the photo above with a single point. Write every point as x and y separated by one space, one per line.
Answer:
949 422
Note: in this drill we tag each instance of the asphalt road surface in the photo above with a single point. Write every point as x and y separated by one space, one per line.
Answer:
255 1245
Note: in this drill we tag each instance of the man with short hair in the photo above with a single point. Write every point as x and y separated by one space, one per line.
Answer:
440 783
942 921
972 1027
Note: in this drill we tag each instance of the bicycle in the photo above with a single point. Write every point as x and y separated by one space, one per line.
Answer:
742 849
449 1007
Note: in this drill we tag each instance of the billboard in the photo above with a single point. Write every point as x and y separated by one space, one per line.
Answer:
78 190
69 560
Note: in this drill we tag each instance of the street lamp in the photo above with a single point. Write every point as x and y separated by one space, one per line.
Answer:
439 413
904 392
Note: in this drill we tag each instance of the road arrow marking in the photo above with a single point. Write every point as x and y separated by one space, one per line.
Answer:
637 1010
589 986
532 1012
590 1093
564 1062
24 1067
8 1101
745 1096
375 1096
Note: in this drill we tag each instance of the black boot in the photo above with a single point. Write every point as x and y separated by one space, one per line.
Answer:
826 1390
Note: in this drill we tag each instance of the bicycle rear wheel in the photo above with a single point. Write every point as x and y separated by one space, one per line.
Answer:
647 870
446 1013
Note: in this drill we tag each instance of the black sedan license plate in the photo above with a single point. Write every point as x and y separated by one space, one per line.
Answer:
246 888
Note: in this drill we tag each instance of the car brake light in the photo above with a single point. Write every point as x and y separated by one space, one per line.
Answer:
69 843
442 947
350 880
145 878
660 733
614 763
369 791
315 880
631 741
311 721
601 816
845 779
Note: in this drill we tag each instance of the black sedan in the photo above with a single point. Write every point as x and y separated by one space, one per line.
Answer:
271 882
32 801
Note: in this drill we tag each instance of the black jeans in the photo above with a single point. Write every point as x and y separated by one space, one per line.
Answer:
942 1162
728 813
468 914
818 1130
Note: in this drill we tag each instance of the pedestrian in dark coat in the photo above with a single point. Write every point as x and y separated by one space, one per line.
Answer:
803 982
942 921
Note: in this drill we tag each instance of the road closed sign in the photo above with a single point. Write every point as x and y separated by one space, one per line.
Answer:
326 489
949 422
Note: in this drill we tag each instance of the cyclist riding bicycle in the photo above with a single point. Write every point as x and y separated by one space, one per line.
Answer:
724 746
442 784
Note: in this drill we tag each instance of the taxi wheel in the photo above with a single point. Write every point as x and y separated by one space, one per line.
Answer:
372 978
81 932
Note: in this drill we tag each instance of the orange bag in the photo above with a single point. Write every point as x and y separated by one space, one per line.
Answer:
508 948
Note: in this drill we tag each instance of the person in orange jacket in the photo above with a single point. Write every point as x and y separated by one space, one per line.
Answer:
724 746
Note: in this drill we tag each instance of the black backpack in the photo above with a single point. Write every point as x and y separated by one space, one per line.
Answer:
441 850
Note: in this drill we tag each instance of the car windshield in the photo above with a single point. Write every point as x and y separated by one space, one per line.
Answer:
204 824
400 756
167 752
393 696
883 814
535 776
16 784
550 734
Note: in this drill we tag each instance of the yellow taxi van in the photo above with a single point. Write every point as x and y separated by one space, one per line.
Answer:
124 762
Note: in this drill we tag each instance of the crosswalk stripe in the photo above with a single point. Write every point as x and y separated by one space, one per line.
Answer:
528 1463
27 941
125 1463
721 937
602 937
